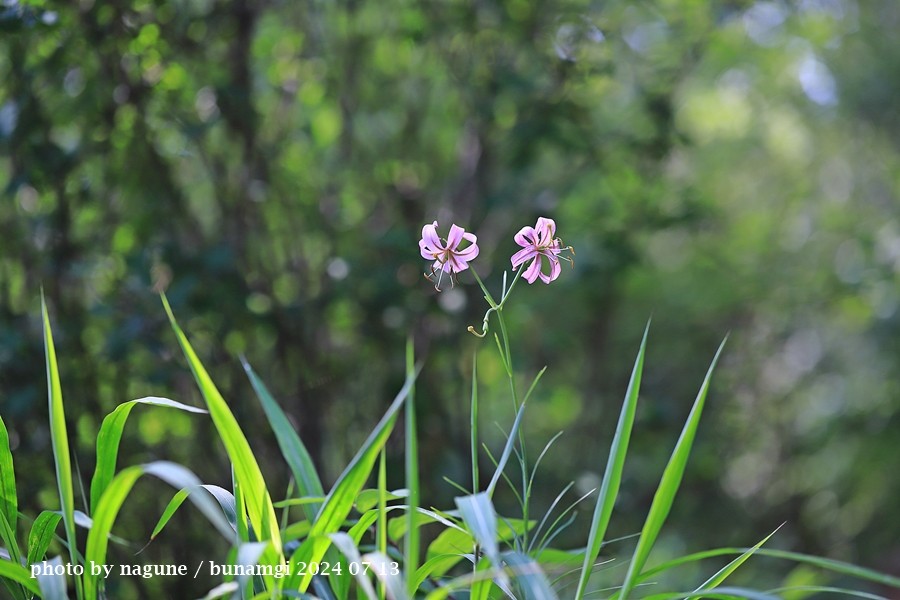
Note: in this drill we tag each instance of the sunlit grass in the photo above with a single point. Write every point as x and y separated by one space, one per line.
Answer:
371 535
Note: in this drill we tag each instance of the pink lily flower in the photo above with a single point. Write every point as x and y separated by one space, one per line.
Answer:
539 242
447 256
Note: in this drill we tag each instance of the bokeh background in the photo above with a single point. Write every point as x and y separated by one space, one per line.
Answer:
725 166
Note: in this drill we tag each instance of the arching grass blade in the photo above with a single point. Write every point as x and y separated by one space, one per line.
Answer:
612 477
668 486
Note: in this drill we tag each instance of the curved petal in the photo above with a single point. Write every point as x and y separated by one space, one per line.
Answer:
527 236
554 271
455 237
458 265
430 241
427 251
546 229
468 253
533 270
522 255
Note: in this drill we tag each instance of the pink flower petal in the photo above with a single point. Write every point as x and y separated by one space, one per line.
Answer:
430 244
455 237
533 270
522 255
554 271
526 237
469 253
546 228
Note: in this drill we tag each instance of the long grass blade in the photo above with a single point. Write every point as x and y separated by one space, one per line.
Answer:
8 537
221 495
42 531
60 442
724 593
723 573
53 586
111 502
388 574
339 501
477 512
411 547
292 448
18 574
345 544
668 485
9 505
258 501
507 450
110 436
612 477
529 577
474 420
826 564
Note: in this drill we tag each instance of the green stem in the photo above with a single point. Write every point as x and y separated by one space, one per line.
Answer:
516 404
411 560
382 514
494 305
475 423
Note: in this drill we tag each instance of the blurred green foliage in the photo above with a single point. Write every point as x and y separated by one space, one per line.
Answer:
720 165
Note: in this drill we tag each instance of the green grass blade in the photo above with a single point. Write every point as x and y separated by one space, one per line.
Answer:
53 587
9 505
826 589
221 495
477 512
240 509
256 496
435 565
668 485
16 573
474 417
249 555
292 448
42 531
370 498
339 501
731 567
111 434
8 537
381 527
826 564
529 576
725 593
411 546
507 450
60 442
612 477
345 544
383 567
111 502
16 590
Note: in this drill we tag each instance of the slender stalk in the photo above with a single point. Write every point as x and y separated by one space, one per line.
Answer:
411 560
506 356
523 458
475 423
382 515
494 305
